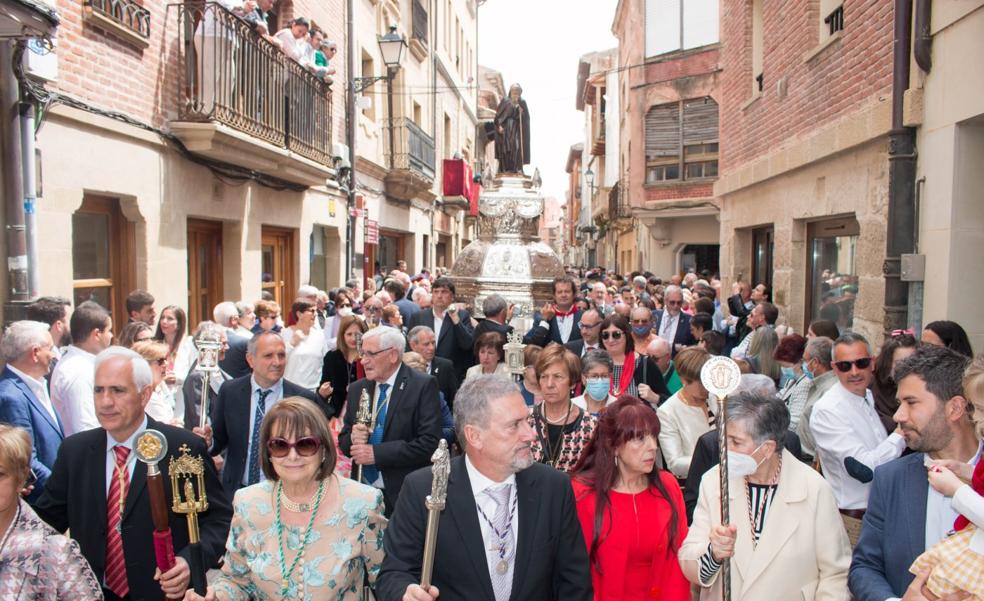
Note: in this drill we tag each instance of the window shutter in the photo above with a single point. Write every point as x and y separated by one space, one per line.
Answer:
700 121
663 131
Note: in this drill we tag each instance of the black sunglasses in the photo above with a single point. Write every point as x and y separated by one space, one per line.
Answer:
305 447
845 366
616 335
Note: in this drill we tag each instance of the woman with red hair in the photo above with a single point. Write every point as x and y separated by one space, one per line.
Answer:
631 512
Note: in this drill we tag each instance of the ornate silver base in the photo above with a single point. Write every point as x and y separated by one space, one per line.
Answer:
508 257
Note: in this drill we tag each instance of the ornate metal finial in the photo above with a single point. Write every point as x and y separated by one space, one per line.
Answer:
186 472
441 469
209 345
364 414
720 376
513 350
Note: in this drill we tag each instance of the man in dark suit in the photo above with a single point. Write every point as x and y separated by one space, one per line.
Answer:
398 291
495 486
241 405
27 348
421 340
452 326
590 328
905 516
98 464
407 416
498 313
556 322
234 363
672 324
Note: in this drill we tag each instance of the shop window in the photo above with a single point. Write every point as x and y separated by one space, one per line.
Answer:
832 269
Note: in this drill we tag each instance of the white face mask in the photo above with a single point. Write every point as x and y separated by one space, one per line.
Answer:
345 311
741 465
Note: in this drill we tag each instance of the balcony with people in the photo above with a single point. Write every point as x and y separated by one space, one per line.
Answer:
254 97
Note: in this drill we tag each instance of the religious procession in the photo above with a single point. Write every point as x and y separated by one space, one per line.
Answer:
303 302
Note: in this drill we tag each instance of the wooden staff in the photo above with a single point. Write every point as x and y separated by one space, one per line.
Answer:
150 448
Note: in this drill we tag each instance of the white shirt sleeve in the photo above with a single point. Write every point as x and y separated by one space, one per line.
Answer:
969 504
81 404
834 433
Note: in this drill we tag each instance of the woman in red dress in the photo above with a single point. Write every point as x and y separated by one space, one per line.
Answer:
631 512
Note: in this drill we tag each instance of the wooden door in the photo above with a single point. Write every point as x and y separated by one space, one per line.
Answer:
204 269
279 265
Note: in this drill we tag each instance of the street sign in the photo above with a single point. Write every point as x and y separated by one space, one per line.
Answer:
372 232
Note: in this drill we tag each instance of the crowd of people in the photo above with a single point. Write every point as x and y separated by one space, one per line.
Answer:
589 472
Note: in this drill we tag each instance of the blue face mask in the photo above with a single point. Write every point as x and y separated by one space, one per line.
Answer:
641 330
788 375
597 388
806 370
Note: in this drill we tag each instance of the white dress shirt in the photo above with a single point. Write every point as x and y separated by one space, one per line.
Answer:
741 351
39 389
438 324
940 513
565 325
304 361
479 483
668 326
296 49
277 393
71 390
846 425
162 406
131 459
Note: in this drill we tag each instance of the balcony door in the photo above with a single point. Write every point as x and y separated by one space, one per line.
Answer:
279 252
763 245
103 256
204 269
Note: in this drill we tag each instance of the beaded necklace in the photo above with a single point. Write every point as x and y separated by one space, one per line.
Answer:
284 572
763 501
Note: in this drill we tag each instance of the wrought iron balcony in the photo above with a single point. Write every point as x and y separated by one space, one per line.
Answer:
234 83
619 207
411 161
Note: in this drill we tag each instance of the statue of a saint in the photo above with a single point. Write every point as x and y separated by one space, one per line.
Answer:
512 132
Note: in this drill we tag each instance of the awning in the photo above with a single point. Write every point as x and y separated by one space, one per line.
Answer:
26 19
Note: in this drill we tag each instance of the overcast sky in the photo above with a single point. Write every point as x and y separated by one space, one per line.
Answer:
537 43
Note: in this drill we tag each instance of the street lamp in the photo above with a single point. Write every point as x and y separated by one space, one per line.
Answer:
589 177
391 47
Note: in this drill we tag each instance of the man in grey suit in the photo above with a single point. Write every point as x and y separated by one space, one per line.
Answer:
905 515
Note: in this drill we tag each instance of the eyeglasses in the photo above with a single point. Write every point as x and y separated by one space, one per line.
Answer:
588 326
373 354
616 335
845 366
305 447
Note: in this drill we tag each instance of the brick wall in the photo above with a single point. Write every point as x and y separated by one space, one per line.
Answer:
109 72
680 191
849 73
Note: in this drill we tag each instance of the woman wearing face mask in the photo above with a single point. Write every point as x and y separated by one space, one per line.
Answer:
596 375
778 505
631 511
686 416
883 387
343 309
789 355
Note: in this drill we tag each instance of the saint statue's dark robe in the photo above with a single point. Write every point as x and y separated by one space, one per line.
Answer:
512 144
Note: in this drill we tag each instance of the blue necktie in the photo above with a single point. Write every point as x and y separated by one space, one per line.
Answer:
370 472
254 441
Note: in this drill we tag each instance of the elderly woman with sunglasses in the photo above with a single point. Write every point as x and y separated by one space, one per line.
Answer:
304 532
632 373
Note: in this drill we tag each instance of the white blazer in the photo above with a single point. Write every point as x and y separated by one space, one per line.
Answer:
680 425
803 553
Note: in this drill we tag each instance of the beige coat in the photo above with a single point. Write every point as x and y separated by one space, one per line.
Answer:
803 553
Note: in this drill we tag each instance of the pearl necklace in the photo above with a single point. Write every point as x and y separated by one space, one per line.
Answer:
299 507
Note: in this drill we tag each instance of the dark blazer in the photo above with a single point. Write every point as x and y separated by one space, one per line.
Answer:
893 532
737 308
683 335
456 340
706 456
577 346
19 407
542 336
487 325
234 362
340 373
192 393
75 499
231 421
551 558
647 372
410 434
407 308
447 379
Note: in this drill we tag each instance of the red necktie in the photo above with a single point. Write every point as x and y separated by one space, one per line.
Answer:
115 564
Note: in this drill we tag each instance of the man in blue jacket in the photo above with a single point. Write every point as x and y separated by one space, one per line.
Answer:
27 348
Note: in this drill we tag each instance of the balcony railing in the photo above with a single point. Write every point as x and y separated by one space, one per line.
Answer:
126 13
231 75
413 150
618 201
419 14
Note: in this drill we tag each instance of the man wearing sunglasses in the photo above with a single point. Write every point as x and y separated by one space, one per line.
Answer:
672 324
406 411
846 427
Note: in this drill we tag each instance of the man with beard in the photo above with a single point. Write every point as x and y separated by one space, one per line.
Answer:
905 514
54 311
509 529
512 132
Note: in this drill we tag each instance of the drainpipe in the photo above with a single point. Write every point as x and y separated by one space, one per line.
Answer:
350 116
900 238
17 290
30 197
924 39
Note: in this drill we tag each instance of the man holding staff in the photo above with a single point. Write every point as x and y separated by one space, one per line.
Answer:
509 529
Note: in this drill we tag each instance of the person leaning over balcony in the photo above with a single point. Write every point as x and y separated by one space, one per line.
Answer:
321 52
293 39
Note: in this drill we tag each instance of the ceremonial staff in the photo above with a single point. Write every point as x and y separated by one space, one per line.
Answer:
189 499
209 346
150 448
435 502
721 376
364 417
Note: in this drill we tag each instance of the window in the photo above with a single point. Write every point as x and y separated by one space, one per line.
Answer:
676 24
448 142
279 264
689 127
204 268
419 21
831 18
763 244
417 114
103 255
831 267
758 78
